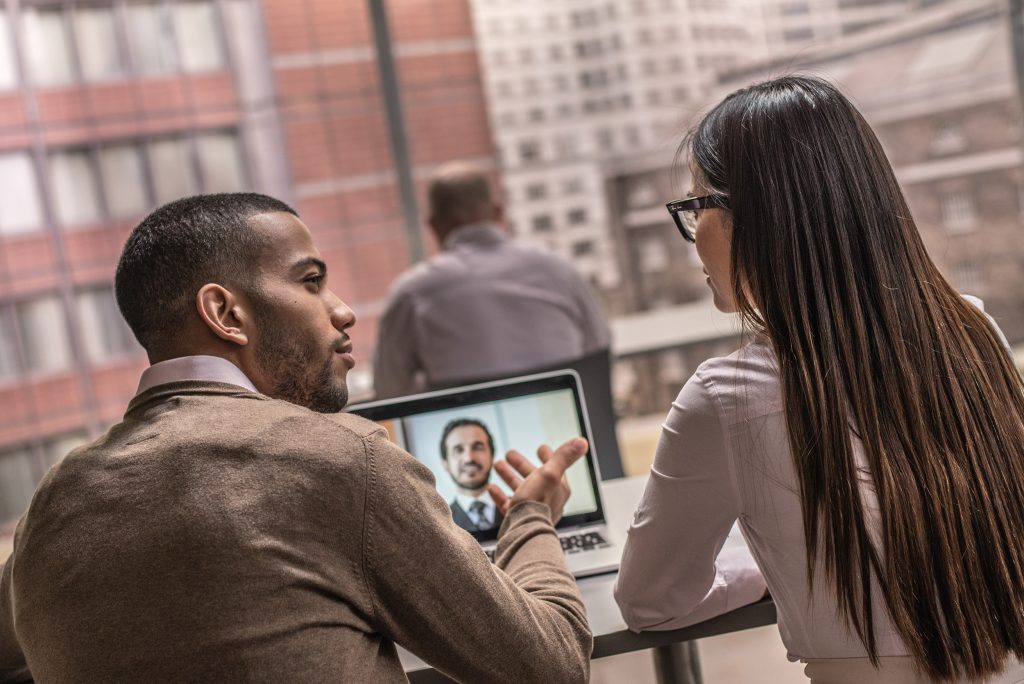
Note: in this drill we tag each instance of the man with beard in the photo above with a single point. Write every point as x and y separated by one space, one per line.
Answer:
235 527
467 454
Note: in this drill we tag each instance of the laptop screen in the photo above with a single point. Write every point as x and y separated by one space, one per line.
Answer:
458 433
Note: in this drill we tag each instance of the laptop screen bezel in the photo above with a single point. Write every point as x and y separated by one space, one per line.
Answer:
403 407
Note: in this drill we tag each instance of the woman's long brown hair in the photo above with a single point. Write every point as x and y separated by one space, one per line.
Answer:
873 343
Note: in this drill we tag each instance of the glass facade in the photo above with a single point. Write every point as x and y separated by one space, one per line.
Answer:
109 109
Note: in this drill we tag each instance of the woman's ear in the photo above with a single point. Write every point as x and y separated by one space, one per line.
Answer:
222 313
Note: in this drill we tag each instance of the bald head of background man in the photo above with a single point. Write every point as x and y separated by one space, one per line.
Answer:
460 195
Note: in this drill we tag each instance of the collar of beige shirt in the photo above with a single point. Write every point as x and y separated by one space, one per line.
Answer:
211 368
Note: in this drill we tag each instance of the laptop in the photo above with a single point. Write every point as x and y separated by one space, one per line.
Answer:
442 428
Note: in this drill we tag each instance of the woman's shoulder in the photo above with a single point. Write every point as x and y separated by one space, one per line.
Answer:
755 361
743 382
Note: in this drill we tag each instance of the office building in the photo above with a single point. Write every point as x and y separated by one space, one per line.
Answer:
108 109
571 84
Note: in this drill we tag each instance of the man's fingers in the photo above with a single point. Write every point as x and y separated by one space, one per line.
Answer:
501 499
567 454
519 462
507 474
544 453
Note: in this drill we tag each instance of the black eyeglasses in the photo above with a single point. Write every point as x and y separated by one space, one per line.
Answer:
684 212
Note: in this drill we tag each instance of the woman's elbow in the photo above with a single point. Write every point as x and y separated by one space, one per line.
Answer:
649 610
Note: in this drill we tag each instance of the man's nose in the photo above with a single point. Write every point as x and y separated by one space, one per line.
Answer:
342 317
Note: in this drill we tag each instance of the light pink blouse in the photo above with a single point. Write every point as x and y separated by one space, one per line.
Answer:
724 456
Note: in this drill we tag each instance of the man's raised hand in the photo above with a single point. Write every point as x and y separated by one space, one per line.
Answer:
545 483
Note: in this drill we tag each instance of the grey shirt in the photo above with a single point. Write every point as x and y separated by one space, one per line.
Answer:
484 307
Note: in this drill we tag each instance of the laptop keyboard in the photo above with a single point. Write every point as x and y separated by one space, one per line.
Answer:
583 542
573 543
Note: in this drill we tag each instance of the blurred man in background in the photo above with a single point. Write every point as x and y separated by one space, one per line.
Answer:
485 306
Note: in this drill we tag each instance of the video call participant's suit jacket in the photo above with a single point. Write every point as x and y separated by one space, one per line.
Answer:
216 534
462 519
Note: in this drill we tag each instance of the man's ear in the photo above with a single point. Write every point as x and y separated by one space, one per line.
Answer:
223 314
437 227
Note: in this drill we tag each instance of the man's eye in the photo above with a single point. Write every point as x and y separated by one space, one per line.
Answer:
316 280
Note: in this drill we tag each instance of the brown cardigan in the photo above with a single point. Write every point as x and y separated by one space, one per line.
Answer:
216 534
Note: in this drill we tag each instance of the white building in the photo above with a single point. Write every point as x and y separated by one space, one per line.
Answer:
572 83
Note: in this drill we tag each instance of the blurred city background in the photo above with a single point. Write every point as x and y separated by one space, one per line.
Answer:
343 107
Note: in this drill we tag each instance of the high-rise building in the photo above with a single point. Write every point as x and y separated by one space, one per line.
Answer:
110 108
790 24
572 84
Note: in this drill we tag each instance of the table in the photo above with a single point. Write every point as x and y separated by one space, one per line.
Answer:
675 654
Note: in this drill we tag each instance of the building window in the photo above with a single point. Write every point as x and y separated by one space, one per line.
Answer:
572 186
220 162
213 162
47 47
96 35
17 482
103 331
653 256
583 248
173 174
958 212
44 334
199 36
20 209
124 180
949 138
541 224
9 365
797 35
536 191
577 216
633 138
74 188
641 195
790 9
8 72
150 39
529 151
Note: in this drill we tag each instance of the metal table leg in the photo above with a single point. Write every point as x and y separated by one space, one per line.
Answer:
677 663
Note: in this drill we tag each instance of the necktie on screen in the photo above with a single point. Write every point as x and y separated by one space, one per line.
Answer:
477 508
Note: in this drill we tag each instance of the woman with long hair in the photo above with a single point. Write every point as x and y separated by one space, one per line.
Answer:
870 436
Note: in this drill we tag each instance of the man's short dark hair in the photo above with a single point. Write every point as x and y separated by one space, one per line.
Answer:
464 422
179 248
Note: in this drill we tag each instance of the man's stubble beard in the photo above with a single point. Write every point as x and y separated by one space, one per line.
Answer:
477 484
287 363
